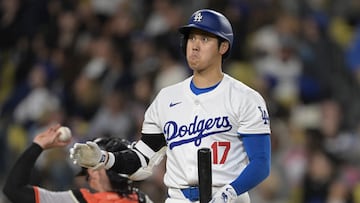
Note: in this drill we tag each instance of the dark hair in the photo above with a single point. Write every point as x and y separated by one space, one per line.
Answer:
185 37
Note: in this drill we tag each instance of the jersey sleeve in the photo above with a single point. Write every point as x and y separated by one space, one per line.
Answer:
145 153
151 118
46 196
253 116
17 187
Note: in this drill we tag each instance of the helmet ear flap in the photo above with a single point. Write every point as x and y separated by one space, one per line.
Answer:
183 43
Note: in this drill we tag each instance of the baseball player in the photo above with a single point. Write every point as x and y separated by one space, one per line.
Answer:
209 109
109 185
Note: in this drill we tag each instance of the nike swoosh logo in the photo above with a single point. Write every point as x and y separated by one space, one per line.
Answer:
174 104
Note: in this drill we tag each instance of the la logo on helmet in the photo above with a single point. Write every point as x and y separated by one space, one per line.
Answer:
198 17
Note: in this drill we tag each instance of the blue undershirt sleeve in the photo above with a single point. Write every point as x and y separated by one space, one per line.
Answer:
258 149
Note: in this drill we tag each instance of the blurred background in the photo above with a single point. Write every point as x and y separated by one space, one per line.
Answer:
95 66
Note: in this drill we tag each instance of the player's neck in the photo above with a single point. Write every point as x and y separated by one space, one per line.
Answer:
207 79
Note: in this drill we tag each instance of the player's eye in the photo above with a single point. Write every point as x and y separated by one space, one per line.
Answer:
204 39
192 38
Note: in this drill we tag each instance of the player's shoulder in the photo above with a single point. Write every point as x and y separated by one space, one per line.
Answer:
238 86
240 90
175 88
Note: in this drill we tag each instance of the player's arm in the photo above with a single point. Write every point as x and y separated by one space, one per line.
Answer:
257 145
258 149
139 160
17 187
136 161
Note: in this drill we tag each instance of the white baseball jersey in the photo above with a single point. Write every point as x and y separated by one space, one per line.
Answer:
214 120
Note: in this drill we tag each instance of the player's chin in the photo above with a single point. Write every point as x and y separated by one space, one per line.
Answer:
194 65
192 60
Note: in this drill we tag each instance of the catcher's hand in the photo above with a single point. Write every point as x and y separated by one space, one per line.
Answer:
226 194
89 155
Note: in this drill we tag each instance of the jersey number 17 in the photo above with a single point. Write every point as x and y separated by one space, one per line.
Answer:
220 151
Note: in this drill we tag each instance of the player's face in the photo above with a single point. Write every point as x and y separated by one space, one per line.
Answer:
202 50
98 180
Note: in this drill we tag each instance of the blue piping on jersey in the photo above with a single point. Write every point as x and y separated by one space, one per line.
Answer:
258 149
249 135
198 91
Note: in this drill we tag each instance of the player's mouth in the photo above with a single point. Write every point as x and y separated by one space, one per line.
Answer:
193 61
194 57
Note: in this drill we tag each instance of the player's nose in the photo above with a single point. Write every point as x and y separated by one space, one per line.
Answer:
195 45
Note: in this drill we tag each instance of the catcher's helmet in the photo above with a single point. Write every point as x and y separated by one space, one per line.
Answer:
209 21
120 182
110 144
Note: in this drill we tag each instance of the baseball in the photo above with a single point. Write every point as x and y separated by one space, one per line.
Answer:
65 134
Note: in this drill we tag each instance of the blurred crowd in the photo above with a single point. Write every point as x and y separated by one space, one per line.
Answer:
95 66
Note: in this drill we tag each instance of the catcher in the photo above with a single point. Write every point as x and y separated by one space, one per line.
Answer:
108 186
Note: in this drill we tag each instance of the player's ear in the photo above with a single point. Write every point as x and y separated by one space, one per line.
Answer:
224 46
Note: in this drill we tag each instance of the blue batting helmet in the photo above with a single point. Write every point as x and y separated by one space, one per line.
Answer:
209 21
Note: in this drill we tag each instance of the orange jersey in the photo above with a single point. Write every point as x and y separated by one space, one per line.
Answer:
108 197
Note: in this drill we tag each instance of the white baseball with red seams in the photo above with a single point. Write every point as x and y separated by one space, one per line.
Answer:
65 133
